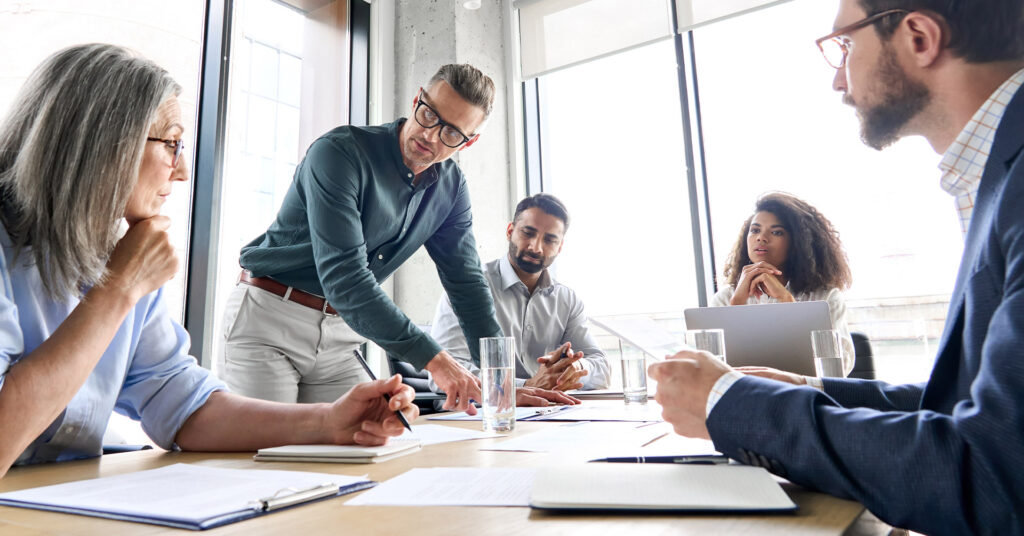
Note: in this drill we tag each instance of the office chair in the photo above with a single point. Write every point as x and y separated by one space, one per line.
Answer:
427 400
863 358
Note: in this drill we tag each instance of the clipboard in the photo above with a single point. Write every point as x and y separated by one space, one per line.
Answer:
184 496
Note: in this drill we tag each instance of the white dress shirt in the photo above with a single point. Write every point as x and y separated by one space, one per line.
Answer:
540 323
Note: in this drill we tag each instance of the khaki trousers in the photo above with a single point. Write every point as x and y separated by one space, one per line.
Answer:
286 352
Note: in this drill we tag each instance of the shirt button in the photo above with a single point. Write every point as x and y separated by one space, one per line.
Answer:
409 175
404 229
380 257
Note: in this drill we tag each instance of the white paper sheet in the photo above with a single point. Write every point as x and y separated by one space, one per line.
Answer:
606 410
642 332
432 434
590 437
453 486
183 492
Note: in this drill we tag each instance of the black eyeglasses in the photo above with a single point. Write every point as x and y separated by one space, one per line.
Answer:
428 117
176 145
836 45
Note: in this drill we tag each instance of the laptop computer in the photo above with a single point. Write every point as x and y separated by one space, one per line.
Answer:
776 335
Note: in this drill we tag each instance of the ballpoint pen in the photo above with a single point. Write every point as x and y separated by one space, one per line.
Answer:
701 459
387 397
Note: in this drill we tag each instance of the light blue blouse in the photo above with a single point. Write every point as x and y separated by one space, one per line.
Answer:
145 373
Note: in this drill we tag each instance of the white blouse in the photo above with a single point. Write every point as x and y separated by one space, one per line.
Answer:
836 306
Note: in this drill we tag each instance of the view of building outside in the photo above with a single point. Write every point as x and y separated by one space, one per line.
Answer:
612 149
262 147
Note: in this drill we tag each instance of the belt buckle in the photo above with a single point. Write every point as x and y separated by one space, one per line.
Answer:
323 309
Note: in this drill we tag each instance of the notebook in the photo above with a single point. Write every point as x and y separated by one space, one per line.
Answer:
186 496
659 487
776 335
338 453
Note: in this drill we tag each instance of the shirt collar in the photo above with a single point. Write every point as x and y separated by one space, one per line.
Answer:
964 162
509 277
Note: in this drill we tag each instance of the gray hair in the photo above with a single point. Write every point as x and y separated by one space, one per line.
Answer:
70 152
472 85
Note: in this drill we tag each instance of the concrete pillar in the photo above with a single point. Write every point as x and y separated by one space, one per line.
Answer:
428 34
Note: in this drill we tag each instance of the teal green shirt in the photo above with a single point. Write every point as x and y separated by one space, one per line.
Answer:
352 216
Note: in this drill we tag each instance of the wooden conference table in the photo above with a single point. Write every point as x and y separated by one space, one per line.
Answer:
817 514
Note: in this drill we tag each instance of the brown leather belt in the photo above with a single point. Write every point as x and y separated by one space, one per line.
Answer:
289 293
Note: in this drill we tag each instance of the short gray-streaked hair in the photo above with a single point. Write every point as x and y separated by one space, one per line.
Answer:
472 85
70 152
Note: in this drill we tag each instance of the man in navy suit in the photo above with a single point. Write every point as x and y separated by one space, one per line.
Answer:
946 456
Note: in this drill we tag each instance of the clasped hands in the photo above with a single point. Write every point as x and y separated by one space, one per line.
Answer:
560 370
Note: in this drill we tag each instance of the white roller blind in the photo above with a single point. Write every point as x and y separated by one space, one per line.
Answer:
558 33
691 13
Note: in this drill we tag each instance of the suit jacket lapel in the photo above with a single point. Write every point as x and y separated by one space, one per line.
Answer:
1007 145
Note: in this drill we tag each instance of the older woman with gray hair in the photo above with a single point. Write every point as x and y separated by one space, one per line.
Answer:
94 138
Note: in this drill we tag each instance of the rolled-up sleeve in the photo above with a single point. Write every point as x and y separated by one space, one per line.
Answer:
163 385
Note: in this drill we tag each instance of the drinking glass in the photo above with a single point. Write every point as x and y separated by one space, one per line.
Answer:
497 383
634 374
827 346
709 340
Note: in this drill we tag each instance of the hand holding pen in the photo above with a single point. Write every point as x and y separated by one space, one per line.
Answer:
387 397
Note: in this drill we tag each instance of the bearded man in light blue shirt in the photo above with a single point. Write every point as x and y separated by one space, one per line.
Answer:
547 319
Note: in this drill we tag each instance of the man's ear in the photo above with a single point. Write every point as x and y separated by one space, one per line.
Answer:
470 142
508 230
928 37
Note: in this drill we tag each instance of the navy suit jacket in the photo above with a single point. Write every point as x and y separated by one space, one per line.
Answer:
944 457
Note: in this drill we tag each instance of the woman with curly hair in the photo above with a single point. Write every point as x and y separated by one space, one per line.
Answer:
788 251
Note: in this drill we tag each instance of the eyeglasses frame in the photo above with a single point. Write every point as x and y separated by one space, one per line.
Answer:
440 122
866 21
177 145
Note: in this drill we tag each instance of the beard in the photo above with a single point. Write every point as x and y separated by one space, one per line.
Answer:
413 156
525 263
881 125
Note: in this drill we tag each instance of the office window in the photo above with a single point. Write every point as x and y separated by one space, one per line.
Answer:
772 122
287 85
612 151
170 36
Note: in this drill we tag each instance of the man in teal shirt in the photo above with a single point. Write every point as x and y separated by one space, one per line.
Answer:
363 200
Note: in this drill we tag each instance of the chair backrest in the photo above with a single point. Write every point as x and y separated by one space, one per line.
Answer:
863 358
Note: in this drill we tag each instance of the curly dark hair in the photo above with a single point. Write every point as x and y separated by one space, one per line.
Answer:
815 260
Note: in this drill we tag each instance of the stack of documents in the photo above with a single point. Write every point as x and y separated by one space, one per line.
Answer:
186 496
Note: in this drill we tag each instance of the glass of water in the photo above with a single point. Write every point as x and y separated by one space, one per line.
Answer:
708 340
497 383
827 346
634 374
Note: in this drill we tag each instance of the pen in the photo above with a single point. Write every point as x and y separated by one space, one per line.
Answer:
703 459
359 358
